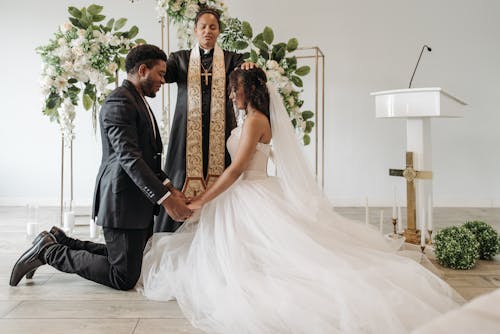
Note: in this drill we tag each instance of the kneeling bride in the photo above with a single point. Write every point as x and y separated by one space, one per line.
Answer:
269 255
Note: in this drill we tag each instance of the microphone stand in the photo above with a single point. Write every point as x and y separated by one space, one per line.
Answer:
418 61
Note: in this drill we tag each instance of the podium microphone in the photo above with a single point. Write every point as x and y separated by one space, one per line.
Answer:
423 48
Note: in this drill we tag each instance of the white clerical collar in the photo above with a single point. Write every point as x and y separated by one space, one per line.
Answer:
206 51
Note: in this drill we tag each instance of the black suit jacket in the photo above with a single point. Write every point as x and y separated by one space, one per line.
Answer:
129 181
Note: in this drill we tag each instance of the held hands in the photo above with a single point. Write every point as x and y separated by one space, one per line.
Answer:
176 207
195 203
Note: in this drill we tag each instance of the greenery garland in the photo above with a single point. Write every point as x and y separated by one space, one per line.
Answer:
80 61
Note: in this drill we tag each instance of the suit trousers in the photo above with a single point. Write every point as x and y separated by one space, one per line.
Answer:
119 267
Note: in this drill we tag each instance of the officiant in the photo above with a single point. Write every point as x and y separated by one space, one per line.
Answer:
204 115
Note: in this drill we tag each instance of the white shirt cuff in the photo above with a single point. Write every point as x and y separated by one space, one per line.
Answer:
166 195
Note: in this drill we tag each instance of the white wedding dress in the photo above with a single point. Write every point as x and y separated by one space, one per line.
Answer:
259 262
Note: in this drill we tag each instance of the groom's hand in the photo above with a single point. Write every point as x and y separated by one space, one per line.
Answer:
176 208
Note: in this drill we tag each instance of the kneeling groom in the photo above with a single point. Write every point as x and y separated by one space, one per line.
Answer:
129 187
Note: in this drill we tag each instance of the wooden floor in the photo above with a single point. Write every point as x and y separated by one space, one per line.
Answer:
55 302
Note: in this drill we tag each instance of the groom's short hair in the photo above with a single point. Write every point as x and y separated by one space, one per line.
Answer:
143 54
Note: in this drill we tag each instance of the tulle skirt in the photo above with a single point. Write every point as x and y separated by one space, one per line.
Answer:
253 264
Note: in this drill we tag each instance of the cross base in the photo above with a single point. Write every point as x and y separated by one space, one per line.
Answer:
412 236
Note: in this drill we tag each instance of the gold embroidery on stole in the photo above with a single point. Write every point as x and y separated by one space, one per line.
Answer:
195 183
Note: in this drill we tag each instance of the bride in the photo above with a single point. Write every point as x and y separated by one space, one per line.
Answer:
269 255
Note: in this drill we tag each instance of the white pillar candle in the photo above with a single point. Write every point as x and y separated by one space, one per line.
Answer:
31 229
394 205
381 223
69 221
367 213
400 221
429 213
422 228
92 229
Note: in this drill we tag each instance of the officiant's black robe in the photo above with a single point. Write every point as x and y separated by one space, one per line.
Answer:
175 166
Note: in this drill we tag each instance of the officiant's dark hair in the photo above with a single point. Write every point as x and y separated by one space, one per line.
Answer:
254 86
143 54
207 10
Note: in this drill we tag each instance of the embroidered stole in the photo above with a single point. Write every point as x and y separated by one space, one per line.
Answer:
195 182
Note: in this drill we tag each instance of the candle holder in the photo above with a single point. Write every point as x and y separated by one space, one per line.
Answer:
429 242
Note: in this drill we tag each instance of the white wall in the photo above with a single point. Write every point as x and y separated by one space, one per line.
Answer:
369 46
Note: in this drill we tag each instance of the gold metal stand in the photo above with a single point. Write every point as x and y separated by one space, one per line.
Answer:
319 103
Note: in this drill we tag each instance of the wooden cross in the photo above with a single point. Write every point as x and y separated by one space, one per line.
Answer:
206 74
410 174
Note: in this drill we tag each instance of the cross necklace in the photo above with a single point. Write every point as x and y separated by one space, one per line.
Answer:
206 72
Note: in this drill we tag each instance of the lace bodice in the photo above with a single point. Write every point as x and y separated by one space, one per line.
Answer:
258 165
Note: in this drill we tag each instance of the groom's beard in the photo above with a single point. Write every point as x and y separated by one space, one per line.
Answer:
148 87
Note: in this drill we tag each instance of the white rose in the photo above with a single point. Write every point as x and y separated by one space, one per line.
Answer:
191 10
272 64
114 41
287 88
67 66
281 70
78 51
60 83
65 27
82 33
175 7
61 41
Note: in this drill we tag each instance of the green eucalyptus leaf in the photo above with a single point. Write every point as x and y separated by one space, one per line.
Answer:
240 45
309 126
259 37
292 62
246 29
110 23
72 81
292 44
87 101
98 18
297 81
278 52
306 139
307 114
133 32
140 41
253 56
120 23
303 70
268 35
77 23
73 11
264 54
94 9
261 45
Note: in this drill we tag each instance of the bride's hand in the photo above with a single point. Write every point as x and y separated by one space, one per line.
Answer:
195 203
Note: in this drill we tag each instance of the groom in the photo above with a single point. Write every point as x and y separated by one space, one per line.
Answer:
129 187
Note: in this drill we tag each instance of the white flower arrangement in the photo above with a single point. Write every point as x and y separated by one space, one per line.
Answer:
281 67
82 59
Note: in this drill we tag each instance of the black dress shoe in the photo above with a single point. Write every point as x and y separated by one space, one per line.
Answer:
30 260
36 240
58 234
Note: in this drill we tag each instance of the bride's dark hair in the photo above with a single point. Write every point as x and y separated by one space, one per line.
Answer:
254 86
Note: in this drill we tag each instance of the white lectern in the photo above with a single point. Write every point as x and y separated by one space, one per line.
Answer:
418 105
